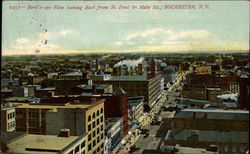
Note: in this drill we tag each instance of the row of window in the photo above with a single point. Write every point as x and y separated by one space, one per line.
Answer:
234 148
95 114
11 125
78 148
96 123
11 115
94 133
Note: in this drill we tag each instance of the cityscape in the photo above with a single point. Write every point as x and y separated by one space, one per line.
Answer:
122 103
120 77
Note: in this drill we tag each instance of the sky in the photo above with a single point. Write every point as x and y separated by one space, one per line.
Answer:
222 26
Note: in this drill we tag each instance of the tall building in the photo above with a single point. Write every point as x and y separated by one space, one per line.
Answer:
78 118
138 86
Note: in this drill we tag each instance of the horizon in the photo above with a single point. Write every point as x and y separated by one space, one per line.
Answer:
40 32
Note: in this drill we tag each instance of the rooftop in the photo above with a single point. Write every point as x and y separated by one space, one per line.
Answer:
72 74
128 78
209 136
48 143
134 101
214 114
37 106
17 99
47 89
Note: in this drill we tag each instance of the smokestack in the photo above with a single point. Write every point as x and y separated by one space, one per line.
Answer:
64 133
140 69
97 64
153 68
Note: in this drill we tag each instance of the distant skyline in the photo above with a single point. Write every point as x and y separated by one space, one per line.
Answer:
224 26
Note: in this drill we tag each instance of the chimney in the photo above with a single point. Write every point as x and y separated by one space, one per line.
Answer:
64 133
93 89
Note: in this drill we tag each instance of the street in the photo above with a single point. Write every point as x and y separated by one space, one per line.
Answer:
157 132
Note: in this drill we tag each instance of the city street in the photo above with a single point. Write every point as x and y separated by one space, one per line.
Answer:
158 132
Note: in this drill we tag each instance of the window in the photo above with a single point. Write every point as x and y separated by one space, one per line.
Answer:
89 127
101 118
93 134
89 147
77 149
234 148
97 122
225 148
102 136
89 118
98 139
8 116
94 143
93 124
43 114
93 115
101 110
71 152
101 127
98 130
242 149
83 145
89 137
97 114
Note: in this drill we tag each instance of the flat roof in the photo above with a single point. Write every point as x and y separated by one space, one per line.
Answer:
72 106
209 136
72 74
51 143
214 114
17 99
128 78
46 89
221 111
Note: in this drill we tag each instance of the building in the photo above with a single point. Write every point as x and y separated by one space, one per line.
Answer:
98 89
211 120
169 74
194 92
212 94
199 128
45 92
113 133
24 91
71 76
201 70
244 91
8 119
38 79
136 115
48 144
87 117
226 142
100 77
150 88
